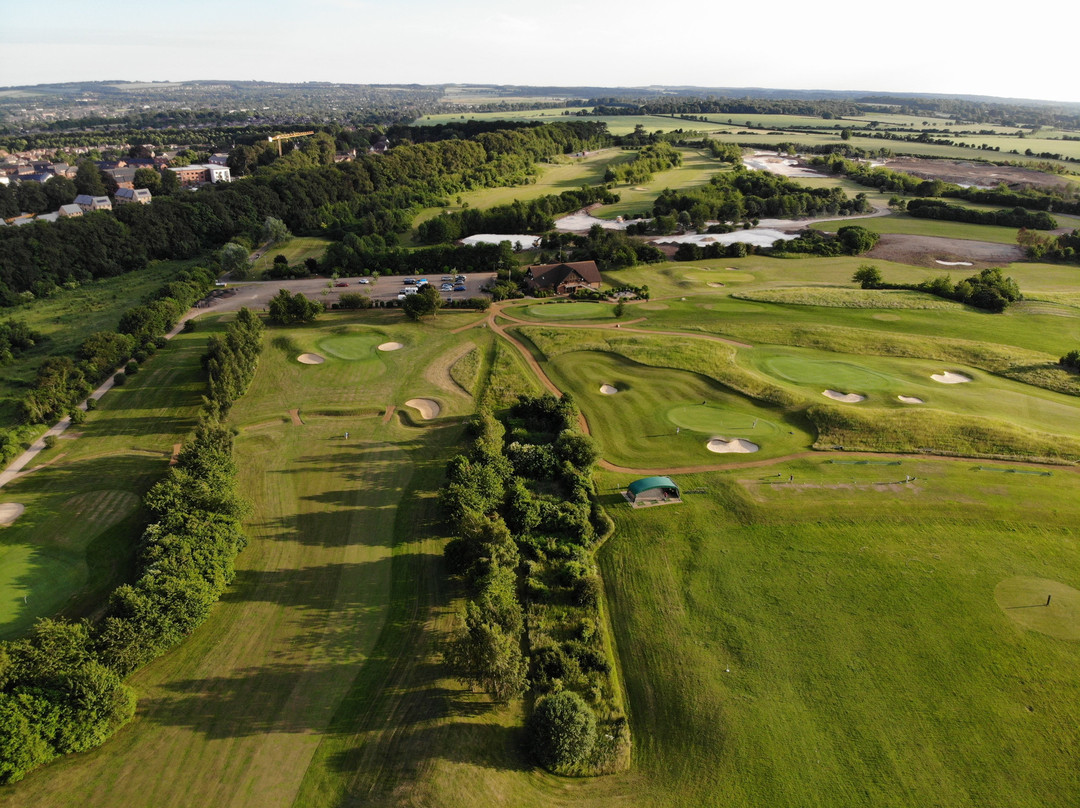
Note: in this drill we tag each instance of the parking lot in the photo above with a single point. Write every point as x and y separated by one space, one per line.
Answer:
257 294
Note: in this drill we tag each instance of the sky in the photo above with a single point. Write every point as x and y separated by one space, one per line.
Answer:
927 46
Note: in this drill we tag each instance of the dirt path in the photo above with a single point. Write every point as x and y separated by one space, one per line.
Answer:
295 415
389 414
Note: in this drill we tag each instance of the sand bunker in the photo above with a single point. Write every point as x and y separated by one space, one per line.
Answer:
9 512
391 346
736 445
948 377
714 284
911 399
639 188
847 398
608 390
310 359
953 263
429 408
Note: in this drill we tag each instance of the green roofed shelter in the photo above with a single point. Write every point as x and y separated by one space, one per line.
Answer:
653 491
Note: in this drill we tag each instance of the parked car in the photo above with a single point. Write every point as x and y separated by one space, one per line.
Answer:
364 280
409 281
460 288
447 287
341 283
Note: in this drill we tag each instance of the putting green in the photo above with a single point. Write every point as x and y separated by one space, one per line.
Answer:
45 578
572 311
837 375
1024 601
353 347
712 419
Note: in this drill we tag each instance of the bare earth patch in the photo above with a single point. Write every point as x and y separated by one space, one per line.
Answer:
295 416
9 512
391 346
847 398
932 251
608 390
310 359
980 174
911 399
735 446
428 407
948 377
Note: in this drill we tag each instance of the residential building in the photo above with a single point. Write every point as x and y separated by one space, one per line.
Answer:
70 211
88 203
126 196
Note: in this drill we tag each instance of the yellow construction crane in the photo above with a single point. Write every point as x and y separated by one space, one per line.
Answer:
280 138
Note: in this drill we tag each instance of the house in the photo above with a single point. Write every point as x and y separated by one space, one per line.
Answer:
126 196
123 177
220 159
653 491
88 203
69 211
562 279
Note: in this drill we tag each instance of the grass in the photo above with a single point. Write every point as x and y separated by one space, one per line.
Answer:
562 310
466 370
69 317
847 298
297 250
73 544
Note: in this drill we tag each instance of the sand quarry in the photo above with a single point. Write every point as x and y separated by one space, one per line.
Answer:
784 166
310 359
735 445
427 407
9 512
608 390
911 399
847 398
949 377
391 346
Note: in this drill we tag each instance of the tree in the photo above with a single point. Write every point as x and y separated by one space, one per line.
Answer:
275 231
234 260
88 179
426 301
481 653
856 239
562 730
148 178
868 277
286 308
59 191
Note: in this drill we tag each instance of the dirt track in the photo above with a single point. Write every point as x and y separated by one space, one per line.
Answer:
925 251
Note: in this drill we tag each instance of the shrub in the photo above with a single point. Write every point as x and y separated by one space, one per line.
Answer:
189 326
562 730
120 379
131 368
76 415
91 404
50 441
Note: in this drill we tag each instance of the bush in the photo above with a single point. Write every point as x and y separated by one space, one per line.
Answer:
50 441
161 342
120 379
77 416
562 730
189 326
91 404
131 368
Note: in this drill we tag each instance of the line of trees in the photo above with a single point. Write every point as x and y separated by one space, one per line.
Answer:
533 216
849 240
1017 217
988 290
62 381
523 505
745 195
1065 247
61 686
372 194
648 161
